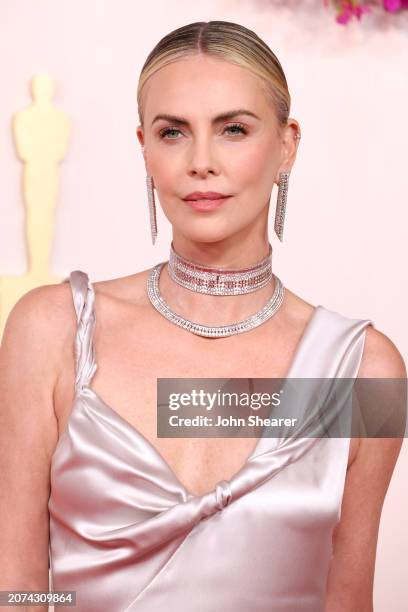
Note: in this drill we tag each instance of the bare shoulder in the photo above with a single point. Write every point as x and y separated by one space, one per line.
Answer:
30 363
41 317
381 358
39 302
47 313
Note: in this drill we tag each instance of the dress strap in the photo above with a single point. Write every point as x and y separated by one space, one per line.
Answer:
84 298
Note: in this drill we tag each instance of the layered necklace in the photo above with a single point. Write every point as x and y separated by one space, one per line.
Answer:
216 281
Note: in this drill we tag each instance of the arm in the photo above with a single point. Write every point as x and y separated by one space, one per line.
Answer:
351 575
29 366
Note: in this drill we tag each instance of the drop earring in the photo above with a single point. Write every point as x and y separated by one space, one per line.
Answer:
281 204
152 207
282 199
152 204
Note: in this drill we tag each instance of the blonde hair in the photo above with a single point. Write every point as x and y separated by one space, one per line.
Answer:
224 40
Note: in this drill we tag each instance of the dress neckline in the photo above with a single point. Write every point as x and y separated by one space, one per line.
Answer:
87 388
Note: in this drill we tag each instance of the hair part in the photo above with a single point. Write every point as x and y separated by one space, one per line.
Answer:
227 41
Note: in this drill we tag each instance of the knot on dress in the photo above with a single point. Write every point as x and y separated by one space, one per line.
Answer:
223 494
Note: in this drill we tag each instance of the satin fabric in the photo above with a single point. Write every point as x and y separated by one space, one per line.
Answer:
126 535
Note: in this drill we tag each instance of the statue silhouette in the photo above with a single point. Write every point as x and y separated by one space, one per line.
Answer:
41 134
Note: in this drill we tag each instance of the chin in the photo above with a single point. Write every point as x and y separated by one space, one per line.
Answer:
210 236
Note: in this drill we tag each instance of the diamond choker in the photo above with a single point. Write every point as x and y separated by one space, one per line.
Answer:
219 281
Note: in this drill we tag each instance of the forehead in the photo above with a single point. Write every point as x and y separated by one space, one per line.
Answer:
202 85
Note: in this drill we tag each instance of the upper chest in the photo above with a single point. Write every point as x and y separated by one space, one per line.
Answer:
131 353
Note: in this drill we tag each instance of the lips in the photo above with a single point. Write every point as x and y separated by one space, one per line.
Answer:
205 202
208 195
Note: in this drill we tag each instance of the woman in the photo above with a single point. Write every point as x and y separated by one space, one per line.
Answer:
139 522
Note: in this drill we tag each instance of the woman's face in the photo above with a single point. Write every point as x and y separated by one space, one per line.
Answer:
239 156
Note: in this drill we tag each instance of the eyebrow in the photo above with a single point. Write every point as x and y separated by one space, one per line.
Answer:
223 117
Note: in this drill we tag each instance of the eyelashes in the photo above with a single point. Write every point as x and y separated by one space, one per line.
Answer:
239 126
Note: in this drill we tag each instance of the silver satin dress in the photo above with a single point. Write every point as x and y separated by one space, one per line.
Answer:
126 535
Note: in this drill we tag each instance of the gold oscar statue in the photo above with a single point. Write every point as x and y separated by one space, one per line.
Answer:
41 134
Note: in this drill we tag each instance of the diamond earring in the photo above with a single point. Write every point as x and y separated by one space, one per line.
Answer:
152 204
281 204
152 207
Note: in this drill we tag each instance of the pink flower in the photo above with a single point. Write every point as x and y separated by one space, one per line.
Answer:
343 17
347 9
350 8
360 10
345 13
392 5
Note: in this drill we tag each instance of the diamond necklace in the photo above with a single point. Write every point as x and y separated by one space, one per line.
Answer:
210 331
219 281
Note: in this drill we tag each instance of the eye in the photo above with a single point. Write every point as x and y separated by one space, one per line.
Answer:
238 126
164 132
233 126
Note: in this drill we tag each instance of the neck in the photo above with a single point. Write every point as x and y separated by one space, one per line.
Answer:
231 254
217 309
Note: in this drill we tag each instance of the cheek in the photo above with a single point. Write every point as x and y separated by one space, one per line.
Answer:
171 168
252 166
165 174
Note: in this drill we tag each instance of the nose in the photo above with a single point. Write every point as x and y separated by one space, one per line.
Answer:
202 160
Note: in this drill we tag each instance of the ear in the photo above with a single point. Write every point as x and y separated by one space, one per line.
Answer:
140 137
290 138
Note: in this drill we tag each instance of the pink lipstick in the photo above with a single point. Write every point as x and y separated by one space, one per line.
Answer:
204 201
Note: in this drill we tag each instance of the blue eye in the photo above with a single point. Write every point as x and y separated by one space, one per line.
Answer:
235 126
164 132
240 127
